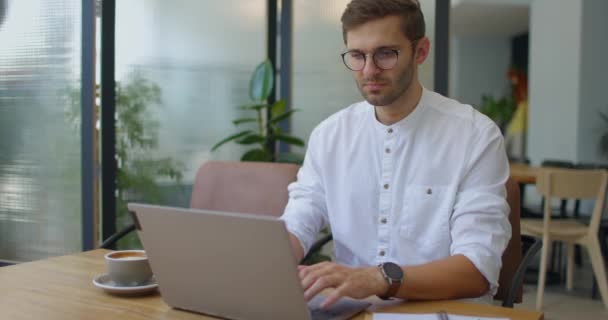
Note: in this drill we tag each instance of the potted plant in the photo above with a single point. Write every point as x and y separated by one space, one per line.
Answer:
500 111
267 118
137 173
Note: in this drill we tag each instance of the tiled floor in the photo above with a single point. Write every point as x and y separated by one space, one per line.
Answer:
563 305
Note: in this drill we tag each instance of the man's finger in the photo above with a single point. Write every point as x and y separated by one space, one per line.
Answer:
310 276
303 271
322 283
334 296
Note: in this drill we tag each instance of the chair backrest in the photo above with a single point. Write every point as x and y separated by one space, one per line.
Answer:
574 184
512 256
261 188
243 187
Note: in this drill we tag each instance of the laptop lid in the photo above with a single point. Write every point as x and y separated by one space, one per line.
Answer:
230 265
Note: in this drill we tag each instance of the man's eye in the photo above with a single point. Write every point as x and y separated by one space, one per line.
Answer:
357 55
384 54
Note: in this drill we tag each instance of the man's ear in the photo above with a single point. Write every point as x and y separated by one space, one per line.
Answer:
422 50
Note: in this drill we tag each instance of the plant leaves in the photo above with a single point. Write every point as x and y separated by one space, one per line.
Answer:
251 139
243 120
261 81
257 155
290 157
277 108
288 139
283 116
258 106
230 138
274 129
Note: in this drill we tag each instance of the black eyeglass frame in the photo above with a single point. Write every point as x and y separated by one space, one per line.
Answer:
396 51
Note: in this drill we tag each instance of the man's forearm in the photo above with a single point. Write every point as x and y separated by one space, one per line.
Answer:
454 277
296 247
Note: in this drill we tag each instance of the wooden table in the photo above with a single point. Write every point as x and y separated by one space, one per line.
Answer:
523 173
61 288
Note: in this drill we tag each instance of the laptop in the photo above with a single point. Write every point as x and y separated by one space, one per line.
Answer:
228 265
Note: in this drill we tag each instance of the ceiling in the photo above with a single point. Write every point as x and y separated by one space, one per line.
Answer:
489 17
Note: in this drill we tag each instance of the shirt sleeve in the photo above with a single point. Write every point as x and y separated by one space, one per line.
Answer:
306 211
480 227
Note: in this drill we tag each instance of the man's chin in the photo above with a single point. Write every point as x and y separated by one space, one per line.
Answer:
376 100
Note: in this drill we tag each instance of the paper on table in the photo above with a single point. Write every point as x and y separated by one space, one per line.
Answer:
426 316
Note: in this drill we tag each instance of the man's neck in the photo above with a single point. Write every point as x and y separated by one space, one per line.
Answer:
402 107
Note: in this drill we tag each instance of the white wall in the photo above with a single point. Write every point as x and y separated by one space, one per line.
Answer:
593 74
567 86
478 66
554 77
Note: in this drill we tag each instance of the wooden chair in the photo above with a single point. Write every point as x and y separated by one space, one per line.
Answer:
569 184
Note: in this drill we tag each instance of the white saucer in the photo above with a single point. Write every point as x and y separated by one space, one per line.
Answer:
104 282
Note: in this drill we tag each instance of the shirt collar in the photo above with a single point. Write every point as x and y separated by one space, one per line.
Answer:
405 125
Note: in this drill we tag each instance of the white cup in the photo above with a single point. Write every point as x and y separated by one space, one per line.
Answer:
128 267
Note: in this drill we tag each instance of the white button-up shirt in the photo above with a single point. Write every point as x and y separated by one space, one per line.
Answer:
419 190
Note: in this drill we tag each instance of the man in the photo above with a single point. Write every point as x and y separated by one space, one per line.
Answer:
411 182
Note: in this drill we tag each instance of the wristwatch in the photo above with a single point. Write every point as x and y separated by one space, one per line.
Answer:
393 274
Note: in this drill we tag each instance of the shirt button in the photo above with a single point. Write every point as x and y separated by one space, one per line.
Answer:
390 130
386 186
381 253
387 150
383 220
429 191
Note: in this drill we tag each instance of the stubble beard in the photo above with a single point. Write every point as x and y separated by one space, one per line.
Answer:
394 90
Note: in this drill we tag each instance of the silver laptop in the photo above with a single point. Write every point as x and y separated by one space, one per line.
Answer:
234 266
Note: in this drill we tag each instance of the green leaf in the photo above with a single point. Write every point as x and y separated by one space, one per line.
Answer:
289 139
251 139
243 120
277 108
261 82
230 138
253 106
274 129
290 157
257 155
283 116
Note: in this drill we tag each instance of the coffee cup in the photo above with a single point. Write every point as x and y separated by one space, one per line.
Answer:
128 267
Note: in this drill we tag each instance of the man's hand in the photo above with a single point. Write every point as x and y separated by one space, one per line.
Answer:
356 283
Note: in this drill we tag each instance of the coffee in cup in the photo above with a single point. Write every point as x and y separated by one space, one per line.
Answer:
128 267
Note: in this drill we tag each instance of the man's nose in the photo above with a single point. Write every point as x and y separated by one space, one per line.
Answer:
370 69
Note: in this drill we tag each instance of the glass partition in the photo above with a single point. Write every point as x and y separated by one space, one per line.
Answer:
40 194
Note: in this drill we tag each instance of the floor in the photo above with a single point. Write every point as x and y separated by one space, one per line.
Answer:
561 305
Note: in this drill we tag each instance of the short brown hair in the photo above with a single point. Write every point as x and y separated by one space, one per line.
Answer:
359 12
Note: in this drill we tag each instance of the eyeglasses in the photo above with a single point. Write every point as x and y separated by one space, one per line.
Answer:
384 59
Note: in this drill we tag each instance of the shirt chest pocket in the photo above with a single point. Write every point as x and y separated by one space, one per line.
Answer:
425 216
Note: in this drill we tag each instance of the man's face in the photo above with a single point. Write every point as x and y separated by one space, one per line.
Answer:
382 87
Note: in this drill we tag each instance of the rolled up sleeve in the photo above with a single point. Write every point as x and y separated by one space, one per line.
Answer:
306 211
480 227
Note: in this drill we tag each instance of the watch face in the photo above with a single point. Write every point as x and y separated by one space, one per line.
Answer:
392 270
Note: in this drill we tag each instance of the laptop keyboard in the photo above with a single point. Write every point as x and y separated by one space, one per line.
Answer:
343 309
